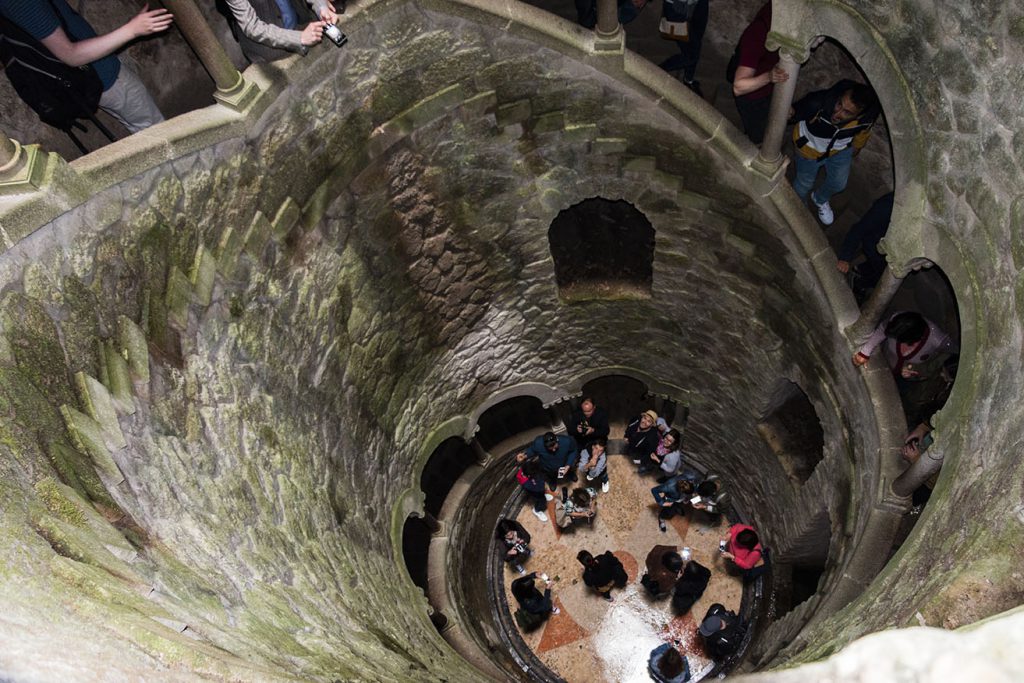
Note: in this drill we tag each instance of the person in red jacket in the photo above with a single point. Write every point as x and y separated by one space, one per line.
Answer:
743 549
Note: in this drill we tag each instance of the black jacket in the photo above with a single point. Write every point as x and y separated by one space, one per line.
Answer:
599 421
606 569
690 586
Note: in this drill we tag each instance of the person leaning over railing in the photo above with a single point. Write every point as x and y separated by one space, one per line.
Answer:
73 41
267 30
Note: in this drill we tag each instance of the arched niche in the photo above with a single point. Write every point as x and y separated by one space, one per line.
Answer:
602 249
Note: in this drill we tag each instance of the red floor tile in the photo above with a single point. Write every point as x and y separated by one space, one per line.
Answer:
560 629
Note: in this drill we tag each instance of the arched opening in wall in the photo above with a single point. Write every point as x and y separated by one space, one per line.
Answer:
791 429
602 250
415 546
416 534
924 308
621 396
797 578
445 465
512 417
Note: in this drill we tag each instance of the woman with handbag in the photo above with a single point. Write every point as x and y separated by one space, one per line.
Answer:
684 21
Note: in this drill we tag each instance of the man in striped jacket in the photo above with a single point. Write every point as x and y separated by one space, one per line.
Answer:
831 127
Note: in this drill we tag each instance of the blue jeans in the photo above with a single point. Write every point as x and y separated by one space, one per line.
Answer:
837 171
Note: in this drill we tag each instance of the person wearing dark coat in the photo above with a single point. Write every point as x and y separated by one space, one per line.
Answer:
690 586
721 631
602 573
587 423
530 599
642 437
556 453
663 565
516 541
864 236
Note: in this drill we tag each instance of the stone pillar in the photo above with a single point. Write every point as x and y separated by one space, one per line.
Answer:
607 18
609 36
232 90
917 474
782 99
22 168
10 154
875 306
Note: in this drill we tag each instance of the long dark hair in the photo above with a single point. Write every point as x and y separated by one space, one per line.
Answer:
671 664
747 539
505 525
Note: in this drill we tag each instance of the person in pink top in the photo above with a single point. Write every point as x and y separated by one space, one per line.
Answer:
922 358
743 549
909 339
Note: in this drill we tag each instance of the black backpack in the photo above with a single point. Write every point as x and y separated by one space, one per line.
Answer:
58 93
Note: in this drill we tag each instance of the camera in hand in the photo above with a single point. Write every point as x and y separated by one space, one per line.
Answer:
335 34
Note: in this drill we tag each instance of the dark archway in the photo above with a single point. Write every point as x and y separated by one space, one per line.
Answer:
446 464
602 249
510 418
792 430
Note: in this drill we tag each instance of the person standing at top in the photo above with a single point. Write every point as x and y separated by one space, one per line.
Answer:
756 74
831 127
694 13
268 30
73 41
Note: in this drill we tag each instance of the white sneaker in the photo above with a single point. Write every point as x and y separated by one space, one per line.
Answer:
605 487
542 516
548 497
825 214
555 610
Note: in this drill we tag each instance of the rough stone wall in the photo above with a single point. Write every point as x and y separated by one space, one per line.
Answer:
165 63
961 74
269 326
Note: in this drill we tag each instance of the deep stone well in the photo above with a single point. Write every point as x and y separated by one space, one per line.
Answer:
230 344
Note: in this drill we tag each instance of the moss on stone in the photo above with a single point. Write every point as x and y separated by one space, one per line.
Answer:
58 504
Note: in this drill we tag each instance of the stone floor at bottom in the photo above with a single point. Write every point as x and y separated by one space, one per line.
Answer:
595 640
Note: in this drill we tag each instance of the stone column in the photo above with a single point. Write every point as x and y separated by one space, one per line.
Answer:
875 306
917 474
10 154
609 36
232 90
22 168
782 99
607 18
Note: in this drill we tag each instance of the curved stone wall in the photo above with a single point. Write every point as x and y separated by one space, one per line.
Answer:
270 313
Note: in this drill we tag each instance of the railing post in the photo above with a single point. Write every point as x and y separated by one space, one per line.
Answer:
232 90
770 154
22 168
10 154
609 36
875 307
926 465
607 18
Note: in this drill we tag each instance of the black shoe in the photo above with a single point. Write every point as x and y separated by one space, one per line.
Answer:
694 85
